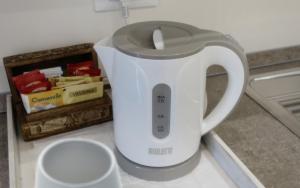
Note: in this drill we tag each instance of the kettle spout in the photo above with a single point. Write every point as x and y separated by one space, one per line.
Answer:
105 52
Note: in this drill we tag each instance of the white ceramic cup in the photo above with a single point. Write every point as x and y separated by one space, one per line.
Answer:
77 163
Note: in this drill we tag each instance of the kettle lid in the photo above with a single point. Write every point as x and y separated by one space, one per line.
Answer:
179 39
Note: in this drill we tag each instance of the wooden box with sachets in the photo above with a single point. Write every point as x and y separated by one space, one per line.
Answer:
56 91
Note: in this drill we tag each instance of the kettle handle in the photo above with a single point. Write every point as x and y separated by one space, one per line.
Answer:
235 63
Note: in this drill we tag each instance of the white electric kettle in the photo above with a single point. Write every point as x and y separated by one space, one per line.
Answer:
157 71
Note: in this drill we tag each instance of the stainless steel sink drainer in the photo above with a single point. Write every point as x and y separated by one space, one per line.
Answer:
279 93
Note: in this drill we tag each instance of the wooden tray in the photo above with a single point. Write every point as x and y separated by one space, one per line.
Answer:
62 119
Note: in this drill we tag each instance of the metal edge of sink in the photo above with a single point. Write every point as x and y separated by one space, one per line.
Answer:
273 106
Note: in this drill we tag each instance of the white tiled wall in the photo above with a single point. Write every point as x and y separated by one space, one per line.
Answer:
31 25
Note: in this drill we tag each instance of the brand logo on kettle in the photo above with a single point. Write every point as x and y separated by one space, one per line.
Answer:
160 151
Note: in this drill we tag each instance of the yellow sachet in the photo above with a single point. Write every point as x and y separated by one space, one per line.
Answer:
67 84
83 92
43 100
67 78
96 78
77 80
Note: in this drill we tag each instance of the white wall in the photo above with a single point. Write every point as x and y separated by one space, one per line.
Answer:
29 25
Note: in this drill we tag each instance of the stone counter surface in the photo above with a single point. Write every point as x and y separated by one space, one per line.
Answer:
3 152
265 146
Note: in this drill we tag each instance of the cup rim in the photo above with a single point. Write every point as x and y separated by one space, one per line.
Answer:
40 165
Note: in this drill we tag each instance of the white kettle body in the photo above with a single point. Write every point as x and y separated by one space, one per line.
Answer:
158 95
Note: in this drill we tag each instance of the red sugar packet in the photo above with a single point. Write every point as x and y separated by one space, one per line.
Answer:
72 68
42 86
90 72
29 79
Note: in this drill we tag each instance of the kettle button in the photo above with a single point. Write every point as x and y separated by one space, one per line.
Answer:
161 108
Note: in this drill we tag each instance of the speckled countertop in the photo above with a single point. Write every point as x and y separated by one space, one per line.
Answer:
3 152
265 146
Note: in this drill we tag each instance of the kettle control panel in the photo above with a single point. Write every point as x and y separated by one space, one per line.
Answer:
161 110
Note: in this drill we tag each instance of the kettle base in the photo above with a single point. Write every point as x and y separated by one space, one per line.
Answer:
157 173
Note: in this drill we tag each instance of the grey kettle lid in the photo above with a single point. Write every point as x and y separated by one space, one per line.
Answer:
180 39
